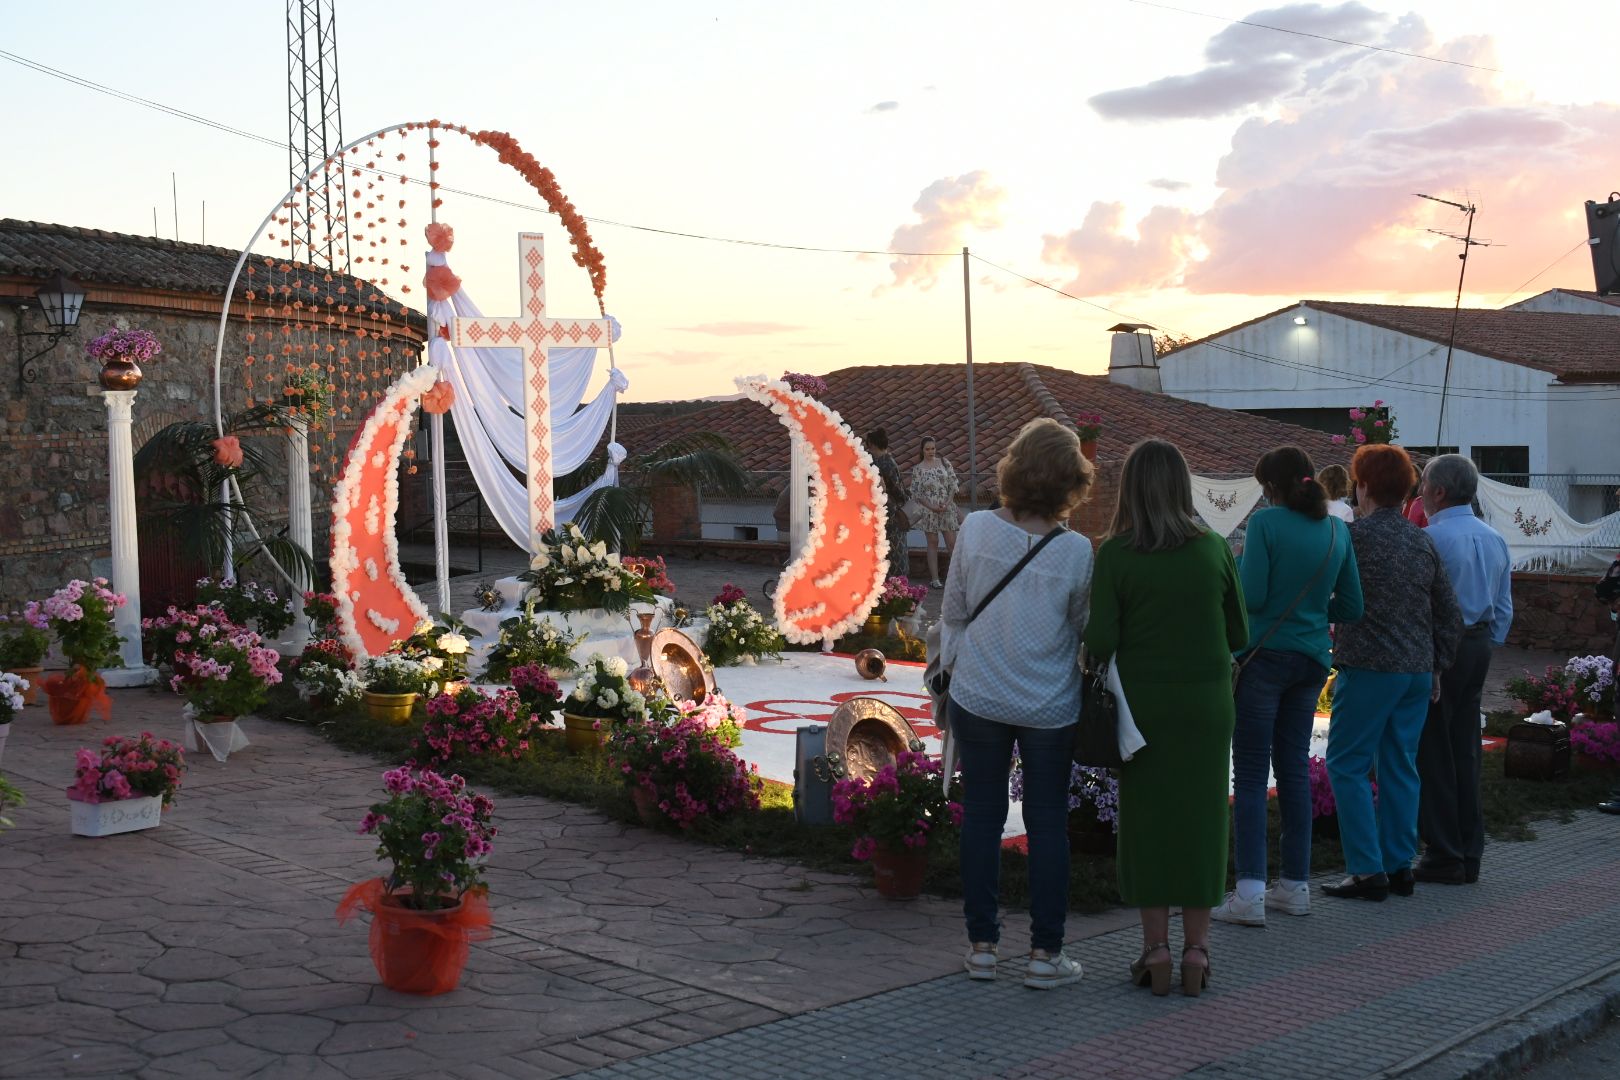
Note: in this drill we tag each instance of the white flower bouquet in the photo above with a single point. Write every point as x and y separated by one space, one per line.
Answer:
738 633
570 573
604 691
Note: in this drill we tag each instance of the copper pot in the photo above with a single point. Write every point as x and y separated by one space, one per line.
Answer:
871 664
118 374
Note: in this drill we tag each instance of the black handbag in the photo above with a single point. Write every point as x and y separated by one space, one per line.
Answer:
1096 736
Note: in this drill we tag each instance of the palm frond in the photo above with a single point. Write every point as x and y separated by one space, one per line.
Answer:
616 516
700 459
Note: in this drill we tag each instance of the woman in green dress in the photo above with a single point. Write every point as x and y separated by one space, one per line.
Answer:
1167 607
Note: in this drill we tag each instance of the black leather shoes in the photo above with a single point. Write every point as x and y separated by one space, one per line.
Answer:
1441 875
1374 887
1401 882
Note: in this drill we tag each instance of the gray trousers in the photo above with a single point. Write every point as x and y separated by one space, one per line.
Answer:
1451 819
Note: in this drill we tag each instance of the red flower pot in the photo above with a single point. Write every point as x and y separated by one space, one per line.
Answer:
646 806
74 695
898 875
422 952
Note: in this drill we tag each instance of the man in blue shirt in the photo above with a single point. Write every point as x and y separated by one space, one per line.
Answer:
1450 817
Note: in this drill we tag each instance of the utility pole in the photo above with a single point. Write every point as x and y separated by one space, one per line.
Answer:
972 425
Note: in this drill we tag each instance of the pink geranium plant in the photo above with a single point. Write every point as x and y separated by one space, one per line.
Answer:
128 769
682 756
471 723
80 614
227 672
435 833
175 631
902 808
899 597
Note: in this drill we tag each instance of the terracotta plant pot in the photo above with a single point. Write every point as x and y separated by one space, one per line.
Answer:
581 735
898 875
646 806
418 952
394 709
74 695
30 696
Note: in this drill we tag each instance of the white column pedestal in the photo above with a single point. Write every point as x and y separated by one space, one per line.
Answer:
126 558
300 522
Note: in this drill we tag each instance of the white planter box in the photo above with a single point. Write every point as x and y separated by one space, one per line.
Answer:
123 815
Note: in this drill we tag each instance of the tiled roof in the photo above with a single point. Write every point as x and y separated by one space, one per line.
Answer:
1573 347
35 249
913 401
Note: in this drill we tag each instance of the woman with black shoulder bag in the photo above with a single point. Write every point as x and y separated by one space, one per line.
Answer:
1014 609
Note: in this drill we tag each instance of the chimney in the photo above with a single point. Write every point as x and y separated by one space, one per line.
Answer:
1131 359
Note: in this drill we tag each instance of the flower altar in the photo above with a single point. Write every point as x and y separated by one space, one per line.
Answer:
582 590
24 640
898 814
679 765
738 634
125 787
80 614
435 835
601 693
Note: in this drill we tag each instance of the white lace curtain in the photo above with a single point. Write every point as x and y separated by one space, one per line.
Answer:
488 412
1538 531
1223 504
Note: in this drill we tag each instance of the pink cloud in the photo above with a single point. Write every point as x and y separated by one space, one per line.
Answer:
1316 196
946 210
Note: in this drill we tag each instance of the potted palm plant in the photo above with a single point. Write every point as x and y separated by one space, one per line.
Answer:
435 835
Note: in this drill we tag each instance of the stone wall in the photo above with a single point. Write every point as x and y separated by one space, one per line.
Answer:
1558 612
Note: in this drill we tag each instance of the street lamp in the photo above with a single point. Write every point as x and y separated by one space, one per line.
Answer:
60 299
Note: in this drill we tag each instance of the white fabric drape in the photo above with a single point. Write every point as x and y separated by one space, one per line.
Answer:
1223 504
488 411
1537 530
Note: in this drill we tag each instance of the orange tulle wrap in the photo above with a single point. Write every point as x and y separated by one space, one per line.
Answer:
74 695
418 952
441 283
439 397
440 237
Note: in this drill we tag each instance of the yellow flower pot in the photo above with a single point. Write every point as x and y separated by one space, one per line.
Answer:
581 735
392 709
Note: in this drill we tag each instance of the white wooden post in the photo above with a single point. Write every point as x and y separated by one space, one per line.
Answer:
300 519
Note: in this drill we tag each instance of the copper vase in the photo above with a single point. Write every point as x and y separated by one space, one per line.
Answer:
642 677
120 374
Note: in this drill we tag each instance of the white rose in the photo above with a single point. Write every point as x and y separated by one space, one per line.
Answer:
424 626
454 644
616 665
613 584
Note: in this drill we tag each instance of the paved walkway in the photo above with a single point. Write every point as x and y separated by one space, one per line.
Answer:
208 947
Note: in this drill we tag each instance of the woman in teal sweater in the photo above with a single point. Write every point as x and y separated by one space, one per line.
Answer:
1299 575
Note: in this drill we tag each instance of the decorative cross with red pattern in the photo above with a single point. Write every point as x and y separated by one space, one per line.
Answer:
533 333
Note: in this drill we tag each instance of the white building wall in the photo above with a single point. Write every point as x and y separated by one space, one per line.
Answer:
1334 362
1557 300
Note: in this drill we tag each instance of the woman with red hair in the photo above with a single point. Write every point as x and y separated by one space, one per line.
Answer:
1389 663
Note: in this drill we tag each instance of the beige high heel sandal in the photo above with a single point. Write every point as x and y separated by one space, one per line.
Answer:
1156 975
1194 978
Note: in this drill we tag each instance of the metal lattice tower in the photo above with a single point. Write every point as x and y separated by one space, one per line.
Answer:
314 131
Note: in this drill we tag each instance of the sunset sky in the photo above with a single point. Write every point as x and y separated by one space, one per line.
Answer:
1167 164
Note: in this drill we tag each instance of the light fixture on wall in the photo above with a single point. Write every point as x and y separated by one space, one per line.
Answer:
60 299
1299 320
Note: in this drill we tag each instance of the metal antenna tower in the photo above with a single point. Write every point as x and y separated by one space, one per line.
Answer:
314 132
1468 243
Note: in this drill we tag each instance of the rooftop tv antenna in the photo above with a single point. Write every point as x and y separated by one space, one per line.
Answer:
1468 243
315 133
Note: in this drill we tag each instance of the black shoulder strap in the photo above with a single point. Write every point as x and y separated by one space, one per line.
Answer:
1019 565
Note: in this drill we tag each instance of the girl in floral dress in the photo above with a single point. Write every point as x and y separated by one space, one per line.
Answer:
933 490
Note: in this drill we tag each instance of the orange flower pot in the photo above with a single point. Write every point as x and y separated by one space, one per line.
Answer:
74 695
418 952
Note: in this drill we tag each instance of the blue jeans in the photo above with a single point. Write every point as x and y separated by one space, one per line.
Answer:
1276 709
1378 718
985 747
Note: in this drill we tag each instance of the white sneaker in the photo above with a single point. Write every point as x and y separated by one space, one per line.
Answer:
1235 909
1047 970
1290 899
981 961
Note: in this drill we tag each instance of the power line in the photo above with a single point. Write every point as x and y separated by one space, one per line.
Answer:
1316 37
1578 245
182 114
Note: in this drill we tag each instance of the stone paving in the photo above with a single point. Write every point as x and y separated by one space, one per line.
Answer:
208 947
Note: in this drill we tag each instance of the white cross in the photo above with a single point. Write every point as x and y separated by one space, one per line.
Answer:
534 334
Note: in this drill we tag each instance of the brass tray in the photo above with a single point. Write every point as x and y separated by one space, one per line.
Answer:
679 663
868 734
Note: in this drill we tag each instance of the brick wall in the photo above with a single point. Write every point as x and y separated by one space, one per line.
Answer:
1558 612
676 513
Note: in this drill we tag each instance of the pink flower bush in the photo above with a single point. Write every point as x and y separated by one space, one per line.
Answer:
471 723
902 807
538 691
1322 801
162 636
1551 692
813 385
653 572
127 769
682 756
1599 740
728 594
434 832
80 614
227 672
899 597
